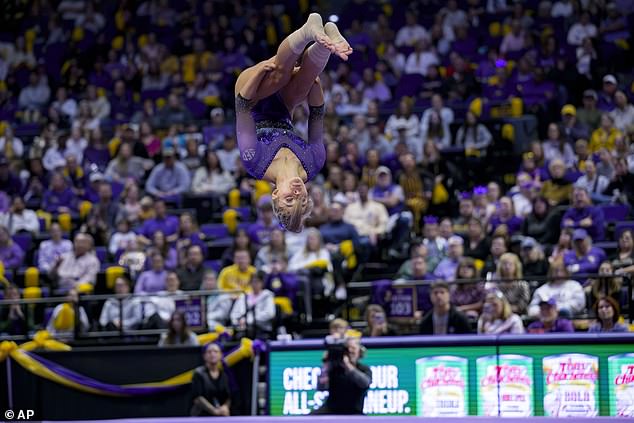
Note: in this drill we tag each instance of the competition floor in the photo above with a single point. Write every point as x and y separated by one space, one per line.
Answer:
327 419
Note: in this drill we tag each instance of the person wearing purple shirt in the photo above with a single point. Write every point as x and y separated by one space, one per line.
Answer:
51 250
506 216
10 184
549 320
59 198
446 269
153 280
121 105
583 258
11 255
260 231
162 222
583 215
537 91
606 95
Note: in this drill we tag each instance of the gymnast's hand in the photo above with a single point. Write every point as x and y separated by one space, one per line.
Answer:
269 65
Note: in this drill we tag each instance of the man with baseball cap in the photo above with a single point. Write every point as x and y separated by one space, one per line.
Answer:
549 320
446 269
606 96
584 258
589 115
571 128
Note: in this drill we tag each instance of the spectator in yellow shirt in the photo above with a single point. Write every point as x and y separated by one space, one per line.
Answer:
605 135
237 277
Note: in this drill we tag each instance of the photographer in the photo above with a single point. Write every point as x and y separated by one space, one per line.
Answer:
346 379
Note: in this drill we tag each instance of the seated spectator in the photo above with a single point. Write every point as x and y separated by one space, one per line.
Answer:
581 30
624 257
11 146
533 259
497 317
557 189
63 321
161 222
210 385
443 318
19 218
446 269
178 333
583 215
505 216
415 250
34 98
169 179
564 244
623 113
133 258
523 194
541 222
10 183
511 284
15 319
11 255
78 266
319 216
468 297
592 182
466 211
218 305
152 280
412 32
51 249
621 187
369 217
132 208
122 238
608 315
605 136
572 128
237 277
192 271
605 285
404 120
568 293
260 231
127 315
435 243
589 115
498 247
275 249
556 147
314 259
253 312
514 40
158 309
241 241
473 136
160 245
126 166
377 322
188 234
211 177
59 198
418 273
583 258
549 319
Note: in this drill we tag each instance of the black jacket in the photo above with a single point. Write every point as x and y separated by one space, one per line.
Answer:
347 389
457 323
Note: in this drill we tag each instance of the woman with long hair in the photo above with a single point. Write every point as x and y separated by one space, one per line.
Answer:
498 317
178 332
210 385
541 223
266 95
274 250
512 284
608 314
187 235
624 257
605 285
468 297
160 245
376 320
241 242
211 178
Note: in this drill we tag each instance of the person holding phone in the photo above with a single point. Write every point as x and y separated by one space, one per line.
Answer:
377 322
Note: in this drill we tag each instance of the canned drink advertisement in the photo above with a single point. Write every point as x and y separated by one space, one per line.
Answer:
571 385
505 385
621 384
442 386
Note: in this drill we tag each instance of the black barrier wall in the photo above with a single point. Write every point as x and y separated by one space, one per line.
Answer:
121 366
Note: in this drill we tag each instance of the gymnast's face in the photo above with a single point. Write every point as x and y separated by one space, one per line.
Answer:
290 192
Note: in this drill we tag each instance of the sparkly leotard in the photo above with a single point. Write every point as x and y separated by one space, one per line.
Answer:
265 127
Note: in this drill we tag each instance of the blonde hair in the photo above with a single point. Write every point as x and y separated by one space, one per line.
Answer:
507 311
292 219
515 260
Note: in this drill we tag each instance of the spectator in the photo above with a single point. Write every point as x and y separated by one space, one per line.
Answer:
473 136
556 147
505 216
566 292
563 245
78 266
605 285
446 269
498 247
34 97
52 249
218 305
377 324
624 256
581 30
369 217
541 222
435 242
443 318
178 332
98 104
583 258
152 280
437 132
64 321
59 198
254 312
11 255
276 249
10 183
131 208
127 166
13 319
593 183
20 219
497 316
161 222
549 320
229 154
403 120
558 189
210 385
122 238
468 297
533 259
192 272
241 242
477 244
571 128
174 113
589 115
605 136
622 115
162 246
514 40
237 276
621 187
582 215
606 95
608 315
11 146
421 58
169 179
412 33
211 178
512 284
127 315
260 231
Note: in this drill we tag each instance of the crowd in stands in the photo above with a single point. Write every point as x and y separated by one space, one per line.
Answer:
117 148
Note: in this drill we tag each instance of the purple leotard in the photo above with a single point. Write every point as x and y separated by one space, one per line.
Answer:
262 129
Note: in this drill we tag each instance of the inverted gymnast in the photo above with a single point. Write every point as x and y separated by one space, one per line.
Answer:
266 95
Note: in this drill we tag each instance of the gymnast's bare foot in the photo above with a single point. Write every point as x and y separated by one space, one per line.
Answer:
342 48
315 27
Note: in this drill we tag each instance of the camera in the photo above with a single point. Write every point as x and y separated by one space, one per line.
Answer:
336 349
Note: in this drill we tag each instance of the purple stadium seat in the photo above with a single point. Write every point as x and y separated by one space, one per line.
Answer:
214 230
102 254
614 212
153 94
622 226
197 108
23 240
409 85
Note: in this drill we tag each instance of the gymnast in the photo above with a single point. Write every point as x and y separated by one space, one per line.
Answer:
266 95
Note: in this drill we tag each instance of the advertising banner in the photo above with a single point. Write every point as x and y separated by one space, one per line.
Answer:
621 384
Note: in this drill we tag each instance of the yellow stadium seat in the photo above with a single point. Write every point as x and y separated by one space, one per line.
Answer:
495 29
85 288
32 292
284 303
65 222
84 209
78 34
476 106
112 273
230 219
517 107
508 132
261 188
32 277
